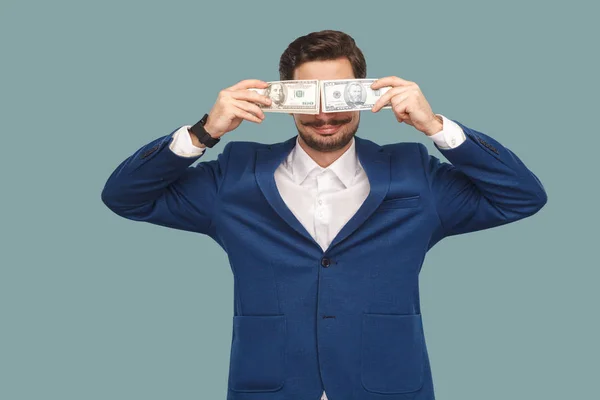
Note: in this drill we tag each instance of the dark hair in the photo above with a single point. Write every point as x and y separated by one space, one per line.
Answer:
322 46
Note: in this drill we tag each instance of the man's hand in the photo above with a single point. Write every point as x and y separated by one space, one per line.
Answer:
408 103
234 105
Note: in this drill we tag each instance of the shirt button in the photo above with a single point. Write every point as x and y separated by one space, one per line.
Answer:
326 262
320 201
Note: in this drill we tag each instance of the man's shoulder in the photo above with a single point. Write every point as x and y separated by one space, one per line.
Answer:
407 154
397 149
246 144
249 145
241 150
401 154
402 147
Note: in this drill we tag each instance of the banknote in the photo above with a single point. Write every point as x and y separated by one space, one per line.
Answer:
342 95
293 96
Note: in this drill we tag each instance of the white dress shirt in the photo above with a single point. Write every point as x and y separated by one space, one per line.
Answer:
312 192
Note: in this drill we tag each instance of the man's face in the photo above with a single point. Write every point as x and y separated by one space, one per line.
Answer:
276 93
354 93
331 131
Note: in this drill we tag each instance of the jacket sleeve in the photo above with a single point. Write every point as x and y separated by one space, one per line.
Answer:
486 185
158 186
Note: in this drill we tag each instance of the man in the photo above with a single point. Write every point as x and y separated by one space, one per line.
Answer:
275 92
354 94
326 232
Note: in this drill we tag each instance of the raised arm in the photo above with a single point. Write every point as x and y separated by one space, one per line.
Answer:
485 185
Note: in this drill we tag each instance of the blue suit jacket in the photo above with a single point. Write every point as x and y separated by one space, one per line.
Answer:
346 320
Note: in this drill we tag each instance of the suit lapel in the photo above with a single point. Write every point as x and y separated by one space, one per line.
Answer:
373 159
267 161
376 164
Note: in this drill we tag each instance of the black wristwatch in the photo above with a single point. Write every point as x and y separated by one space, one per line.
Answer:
203 136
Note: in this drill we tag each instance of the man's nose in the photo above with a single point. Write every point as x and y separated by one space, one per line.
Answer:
324 116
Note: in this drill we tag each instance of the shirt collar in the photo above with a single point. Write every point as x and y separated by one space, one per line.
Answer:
345 167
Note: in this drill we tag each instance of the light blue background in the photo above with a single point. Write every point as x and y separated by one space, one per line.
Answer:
93 306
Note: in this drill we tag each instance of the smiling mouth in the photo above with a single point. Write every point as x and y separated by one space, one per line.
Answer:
327 129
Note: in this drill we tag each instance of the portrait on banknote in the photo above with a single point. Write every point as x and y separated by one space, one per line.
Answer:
354 94
278 93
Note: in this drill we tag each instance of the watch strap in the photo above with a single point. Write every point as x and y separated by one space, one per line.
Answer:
198 130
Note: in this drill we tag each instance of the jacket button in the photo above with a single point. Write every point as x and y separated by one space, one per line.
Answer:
326 262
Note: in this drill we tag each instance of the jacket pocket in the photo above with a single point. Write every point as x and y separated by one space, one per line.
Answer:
257 360
392 353
400 202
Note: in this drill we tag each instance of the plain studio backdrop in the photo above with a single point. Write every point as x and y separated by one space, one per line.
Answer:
94 306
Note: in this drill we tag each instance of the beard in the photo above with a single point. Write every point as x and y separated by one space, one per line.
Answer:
327 143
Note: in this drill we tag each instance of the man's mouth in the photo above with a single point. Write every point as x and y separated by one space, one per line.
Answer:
329 127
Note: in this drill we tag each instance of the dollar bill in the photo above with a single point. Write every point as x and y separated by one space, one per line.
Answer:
342 95
294 96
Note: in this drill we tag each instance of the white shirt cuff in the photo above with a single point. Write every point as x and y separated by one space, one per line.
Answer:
182 144
450 136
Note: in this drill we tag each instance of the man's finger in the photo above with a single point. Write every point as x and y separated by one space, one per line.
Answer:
387 96
252 96
389 81
250 107
249 83
400 108
238 112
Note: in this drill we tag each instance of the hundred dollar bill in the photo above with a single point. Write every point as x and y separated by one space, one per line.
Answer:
350 95
294 96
